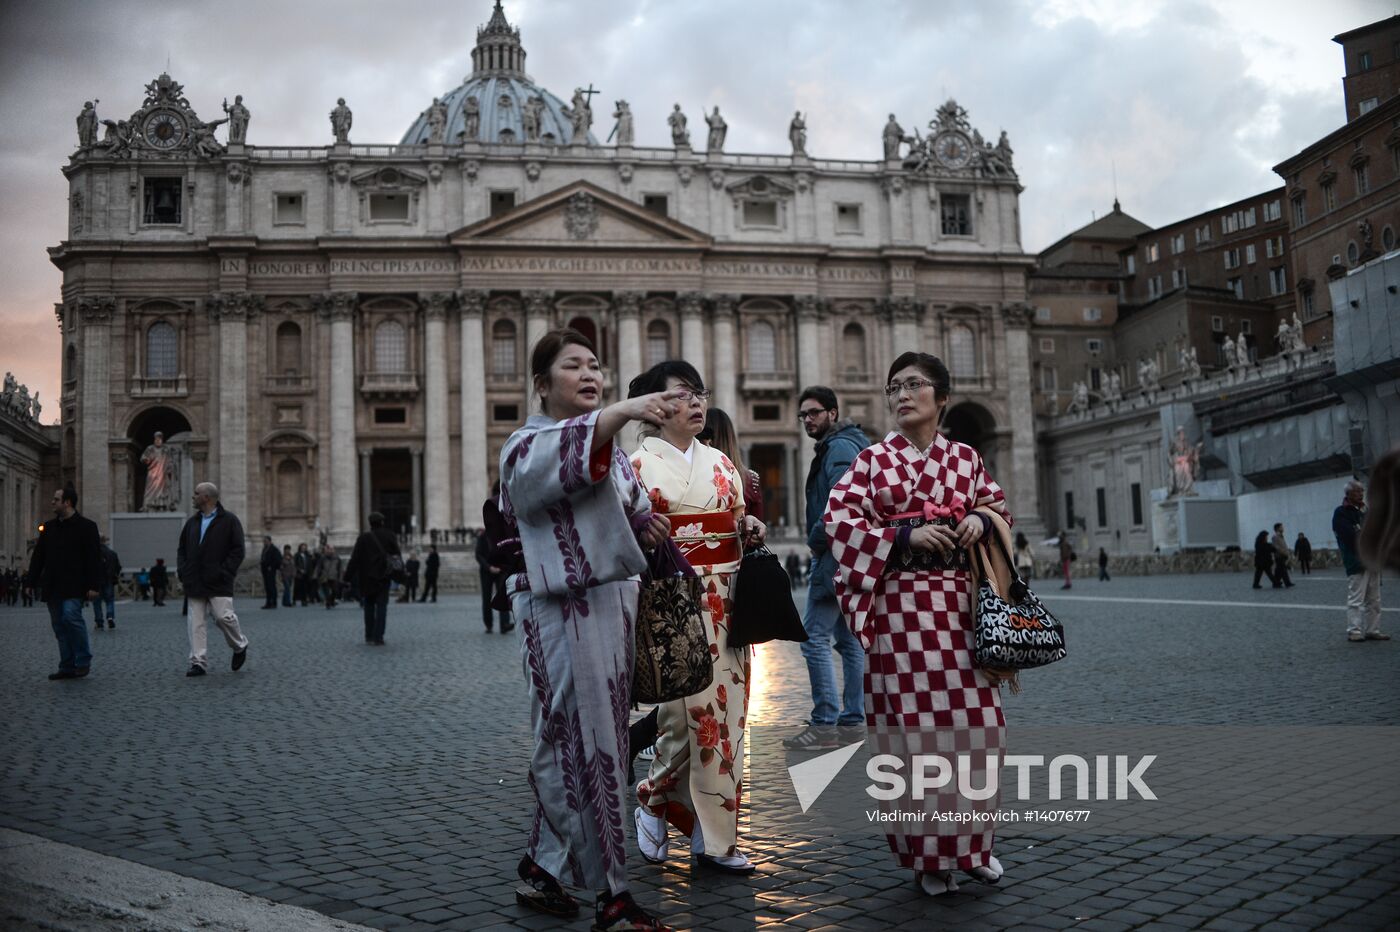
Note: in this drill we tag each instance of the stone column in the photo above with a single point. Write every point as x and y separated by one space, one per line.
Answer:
338 309
539 306
232 311
692 308
418 521
810 370
437 469
629 338
906 317
94 468
475 455
366 504
727 353
1023 487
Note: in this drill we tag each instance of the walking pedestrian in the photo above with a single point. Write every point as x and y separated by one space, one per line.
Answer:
504 553
1264 560
143 584
111 575
210 553
1379 540
369 570
902 524
411 567
1025 560
1067 557
1363 582
160 582
270 563
695 783
1103 565
68 567
489 575
1280 544
328 575
288 572
563 478
838 442
305 585
430 574
1302 549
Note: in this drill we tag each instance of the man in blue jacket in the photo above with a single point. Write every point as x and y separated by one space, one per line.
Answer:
67 566
1363 583
838 442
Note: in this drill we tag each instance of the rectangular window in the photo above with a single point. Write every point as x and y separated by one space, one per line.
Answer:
501 202
1178 278
1278 280
1203 234
1154 287
1093 313
392 208
1237 286
1069 510
1329 197
1308 305
1135 496
767 412
1094 346
1249 220
1273 211
1217 325
161 200
760 213
1232 258
1269 248
659 204
505 414
1042 314
847 218
1178 244
1363 61
391 415
1047 344
1132 263
1049 379
1246 326
1101 506
1300 207
1366 106
289 208
957 215
1362 174
1249 254
1153 252
1096 378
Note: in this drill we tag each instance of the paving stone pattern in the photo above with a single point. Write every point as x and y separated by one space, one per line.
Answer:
385 785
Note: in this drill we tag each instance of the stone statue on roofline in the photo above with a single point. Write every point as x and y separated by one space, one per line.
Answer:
1227 348
530 112
238 117
1190 364
1242 351
718 130
891 137
341 118
471 114
1079 400
625 130
797 134
581 116
680 136
437 122
87 125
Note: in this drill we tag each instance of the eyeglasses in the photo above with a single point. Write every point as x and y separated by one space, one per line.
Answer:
687 395
810 413
911 385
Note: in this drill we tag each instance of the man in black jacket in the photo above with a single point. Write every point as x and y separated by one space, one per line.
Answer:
211 551
67 566
111 575
160 582
271 563
369 568
430 573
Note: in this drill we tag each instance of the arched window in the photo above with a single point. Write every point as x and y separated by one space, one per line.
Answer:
589 329
763 347
162 351
503 348
658 347
70 361
289 349
853 349
962 352
390 347
291 498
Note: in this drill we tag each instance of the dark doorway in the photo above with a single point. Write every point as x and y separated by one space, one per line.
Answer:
767 460
391 488
971 424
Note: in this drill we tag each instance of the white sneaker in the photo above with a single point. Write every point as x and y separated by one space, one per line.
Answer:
989 874
651 836
648 753
937 883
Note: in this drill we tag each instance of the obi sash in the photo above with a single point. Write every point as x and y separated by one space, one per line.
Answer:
707 538
932 561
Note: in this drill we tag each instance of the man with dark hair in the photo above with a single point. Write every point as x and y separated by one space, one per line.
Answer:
430 574
67 565
838 443
207 561
160 581
1280 543
369 568
270 562
111 574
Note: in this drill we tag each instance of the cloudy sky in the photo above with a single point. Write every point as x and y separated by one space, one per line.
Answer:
1190 101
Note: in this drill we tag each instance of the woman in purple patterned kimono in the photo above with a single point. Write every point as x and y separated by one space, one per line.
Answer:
582 519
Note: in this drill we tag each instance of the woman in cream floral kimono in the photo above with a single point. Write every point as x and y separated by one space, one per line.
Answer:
696 779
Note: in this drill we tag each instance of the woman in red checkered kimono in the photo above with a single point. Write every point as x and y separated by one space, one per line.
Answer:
902 524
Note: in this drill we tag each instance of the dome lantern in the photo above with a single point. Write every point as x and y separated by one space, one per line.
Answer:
498 49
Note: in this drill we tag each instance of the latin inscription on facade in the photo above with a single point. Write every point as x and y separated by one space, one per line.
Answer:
619 264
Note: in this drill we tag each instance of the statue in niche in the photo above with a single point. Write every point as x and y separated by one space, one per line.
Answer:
437 122
1185 461
238 117
624 131
892 136
341 118
87 125
680 137
718 130
530 112
797 134
471 115
1242 351
162 476
1190 364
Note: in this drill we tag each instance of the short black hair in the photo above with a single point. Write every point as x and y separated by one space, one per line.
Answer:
930 365
654 379
70 494
821 395
375 519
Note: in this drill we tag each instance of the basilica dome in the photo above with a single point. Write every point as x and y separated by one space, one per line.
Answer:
502 90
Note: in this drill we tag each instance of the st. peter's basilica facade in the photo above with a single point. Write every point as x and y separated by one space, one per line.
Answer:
331 329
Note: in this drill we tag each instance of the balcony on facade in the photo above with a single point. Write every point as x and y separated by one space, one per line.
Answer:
176 387
389 384
287 384
764 383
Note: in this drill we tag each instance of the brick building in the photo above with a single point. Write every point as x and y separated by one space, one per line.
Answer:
1371 56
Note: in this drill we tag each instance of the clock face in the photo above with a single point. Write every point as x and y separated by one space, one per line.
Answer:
164 130
952 150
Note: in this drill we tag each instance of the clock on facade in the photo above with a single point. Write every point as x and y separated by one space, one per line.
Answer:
953 149
164 130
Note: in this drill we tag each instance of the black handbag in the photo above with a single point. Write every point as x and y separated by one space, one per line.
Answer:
672 657
1017 632
763 609
393 562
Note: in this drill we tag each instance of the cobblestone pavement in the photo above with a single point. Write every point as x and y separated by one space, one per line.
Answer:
385 786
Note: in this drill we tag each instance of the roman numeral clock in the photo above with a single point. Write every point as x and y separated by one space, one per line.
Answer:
164 130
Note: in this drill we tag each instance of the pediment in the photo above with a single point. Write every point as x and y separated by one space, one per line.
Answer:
760 186
389 179
581 213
